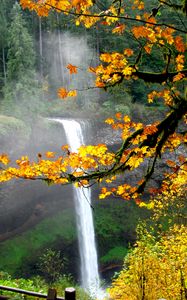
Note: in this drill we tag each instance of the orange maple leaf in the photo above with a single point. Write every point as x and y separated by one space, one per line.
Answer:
128 52
72 69
178 77
118 115
50 154
179 44
62 93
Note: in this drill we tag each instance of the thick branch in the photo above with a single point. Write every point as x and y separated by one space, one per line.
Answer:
149 77
165 128
158 77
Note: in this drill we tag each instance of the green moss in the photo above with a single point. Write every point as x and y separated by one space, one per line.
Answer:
14 251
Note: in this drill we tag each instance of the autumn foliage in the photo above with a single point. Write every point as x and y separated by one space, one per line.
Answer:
156 267
140 143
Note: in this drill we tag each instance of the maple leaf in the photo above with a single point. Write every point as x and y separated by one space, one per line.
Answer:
180 62
128 52
72 69
179 44
126 119
119 29
109 121
127 71
118 116
104 193
114 68
178 77
50 154
62 93
4 159
72 93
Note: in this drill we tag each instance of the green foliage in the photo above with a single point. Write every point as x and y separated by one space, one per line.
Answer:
3 25
51 265
67 281
115 255
36 284
14 252
115 224
21 85
25 284
21 53
117 99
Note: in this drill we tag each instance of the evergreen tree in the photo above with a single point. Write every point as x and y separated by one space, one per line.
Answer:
4 8
21 84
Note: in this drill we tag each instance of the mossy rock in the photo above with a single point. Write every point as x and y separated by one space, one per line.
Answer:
14 133
8 125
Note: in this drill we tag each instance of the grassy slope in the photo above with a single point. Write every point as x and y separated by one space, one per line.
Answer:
15 250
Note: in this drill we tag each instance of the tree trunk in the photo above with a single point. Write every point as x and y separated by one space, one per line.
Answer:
60 52
4 65
41 48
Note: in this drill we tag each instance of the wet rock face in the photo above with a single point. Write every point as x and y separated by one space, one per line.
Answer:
102 134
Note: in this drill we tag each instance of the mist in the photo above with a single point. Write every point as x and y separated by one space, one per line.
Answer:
61 50
28 131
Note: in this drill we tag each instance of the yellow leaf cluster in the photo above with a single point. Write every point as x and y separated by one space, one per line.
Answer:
154 269
64 93
180 62
165 94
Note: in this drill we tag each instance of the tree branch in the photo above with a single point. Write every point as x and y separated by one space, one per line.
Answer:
104 15
151 77
164 129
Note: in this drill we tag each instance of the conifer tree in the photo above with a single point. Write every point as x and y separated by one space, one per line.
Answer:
21 82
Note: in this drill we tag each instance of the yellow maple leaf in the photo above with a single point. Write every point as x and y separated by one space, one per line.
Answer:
126 119
72 93
119 29
4 159
127 71
50 154
109 121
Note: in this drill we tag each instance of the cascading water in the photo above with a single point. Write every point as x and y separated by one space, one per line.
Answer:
82 198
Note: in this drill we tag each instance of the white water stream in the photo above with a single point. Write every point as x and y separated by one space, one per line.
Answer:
85 227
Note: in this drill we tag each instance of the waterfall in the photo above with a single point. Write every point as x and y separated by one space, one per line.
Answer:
85 227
